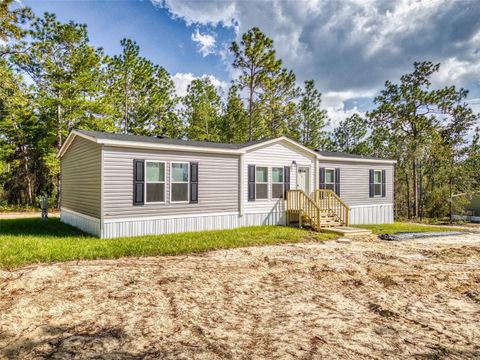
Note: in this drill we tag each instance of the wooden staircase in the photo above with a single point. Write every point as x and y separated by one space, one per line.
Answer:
324 210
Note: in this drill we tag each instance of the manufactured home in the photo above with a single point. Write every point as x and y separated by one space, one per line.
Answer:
116 185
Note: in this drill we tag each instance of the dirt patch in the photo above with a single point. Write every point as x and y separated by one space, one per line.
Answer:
369 299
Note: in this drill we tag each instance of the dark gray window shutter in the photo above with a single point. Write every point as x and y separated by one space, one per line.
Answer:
194 182
383 184
138 182
371 183
337 181
321 178
286 180
251 182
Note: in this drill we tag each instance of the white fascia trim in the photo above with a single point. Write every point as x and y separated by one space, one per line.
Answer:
279 139
371 205
342 159
139 145
182 216
88 217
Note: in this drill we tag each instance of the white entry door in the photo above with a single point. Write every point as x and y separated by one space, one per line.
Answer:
303 178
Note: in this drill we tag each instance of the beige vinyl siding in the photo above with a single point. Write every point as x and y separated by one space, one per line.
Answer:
354 182
277 155
218 185
81 177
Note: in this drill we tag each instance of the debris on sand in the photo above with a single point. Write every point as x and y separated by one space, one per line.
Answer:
417 235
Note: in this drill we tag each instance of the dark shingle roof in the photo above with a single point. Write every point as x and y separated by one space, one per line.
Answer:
347 155
166 141
205 144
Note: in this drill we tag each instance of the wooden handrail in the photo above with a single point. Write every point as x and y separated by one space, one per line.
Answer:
328 200
298 201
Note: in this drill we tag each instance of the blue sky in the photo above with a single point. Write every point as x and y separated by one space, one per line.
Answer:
348 47
162 39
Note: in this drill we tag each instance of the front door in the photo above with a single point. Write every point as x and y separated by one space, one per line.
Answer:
303 176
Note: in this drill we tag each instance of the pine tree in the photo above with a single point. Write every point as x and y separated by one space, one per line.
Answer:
11 32
410 121
278 104
234 122
20 131
67 76
202 111
142 94
350 136
312 118
255 59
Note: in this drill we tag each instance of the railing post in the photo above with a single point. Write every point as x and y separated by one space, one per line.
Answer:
318 219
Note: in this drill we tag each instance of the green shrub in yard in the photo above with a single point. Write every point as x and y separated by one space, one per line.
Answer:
26 241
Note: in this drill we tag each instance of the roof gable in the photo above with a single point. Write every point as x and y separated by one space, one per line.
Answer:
282 139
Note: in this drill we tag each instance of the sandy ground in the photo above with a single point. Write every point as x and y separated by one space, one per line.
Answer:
364 300
26 214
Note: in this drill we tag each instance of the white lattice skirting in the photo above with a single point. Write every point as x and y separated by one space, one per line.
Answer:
371 214
86 223
167 224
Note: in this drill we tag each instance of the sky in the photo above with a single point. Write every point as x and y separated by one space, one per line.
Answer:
349 47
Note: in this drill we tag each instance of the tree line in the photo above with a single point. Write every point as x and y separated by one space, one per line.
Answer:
52 80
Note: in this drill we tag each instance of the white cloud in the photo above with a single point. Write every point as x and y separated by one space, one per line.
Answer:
350 47
182 80
475 105
205 42
335 99
458 72
336 115
350 44
334 103
200 12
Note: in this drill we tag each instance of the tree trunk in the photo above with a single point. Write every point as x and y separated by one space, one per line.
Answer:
450 204
125 107
415 187
250 125
250 106
421 190
407 183
59 145
28 179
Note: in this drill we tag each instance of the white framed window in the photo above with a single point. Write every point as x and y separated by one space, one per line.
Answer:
154 182
261 182
277 182
377 182
330 179
179 180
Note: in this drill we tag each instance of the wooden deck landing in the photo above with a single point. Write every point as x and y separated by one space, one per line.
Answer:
347 230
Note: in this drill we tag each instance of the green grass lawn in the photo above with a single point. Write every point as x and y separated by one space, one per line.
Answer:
399 227
29 240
